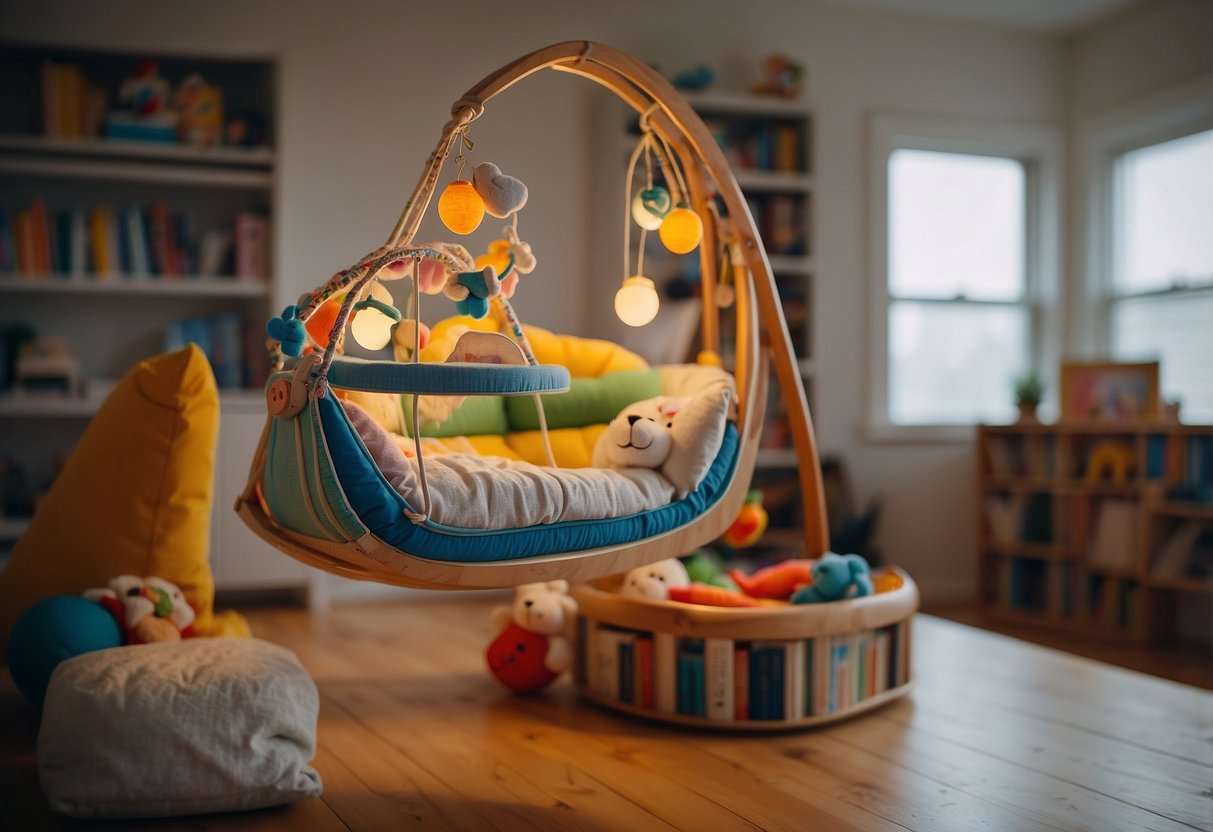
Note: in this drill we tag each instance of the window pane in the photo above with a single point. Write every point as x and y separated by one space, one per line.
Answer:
956 226
954 363
1178 331
1164 216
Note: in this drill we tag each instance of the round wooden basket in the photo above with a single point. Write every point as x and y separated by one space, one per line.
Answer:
759 668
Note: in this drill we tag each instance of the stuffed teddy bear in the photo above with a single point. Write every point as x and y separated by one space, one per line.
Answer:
836 577
534 645
147 609
676 436
656 580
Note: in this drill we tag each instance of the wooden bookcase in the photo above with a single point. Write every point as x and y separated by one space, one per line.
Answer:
112 318
1066 543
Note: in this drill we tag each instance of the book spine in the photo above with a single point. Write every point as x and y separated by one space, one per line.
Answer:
136 241
627 669
251 246
98 242
8 258
644 671
665 662
793 676
78 258
741 682
718 667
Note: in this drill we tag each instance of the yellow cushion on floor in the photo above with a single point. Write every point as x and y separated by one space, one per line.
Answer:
133 499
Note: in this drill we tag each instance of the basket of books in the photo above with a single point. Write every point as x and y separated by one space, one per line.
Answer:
775 666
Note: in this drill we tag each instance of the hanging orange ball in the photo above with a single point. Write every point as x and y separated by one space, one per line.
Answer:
460 207
681 230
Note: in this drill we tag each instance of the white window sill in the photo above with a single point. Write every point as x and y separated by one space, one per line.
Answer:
918 434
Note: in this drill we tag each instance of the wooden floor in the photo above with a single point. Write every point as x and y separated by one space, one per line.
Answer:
1187 662
997 735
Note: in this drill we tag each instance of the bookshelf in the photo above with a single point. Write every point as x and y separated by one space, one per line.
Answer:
775 667
137 246
1066 542
768 143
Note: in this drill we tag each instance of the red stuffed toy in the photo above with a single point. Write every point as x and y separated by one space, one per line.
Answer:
533 647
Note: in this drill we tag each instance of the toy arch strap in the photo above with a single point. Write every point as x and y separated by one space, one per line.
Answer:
679 126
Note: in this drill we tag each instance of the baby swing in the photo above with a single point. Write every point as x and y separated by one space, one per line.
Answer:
314 490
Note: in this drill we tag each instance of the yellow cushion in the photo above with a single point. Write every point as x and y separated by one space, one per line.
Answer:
133 499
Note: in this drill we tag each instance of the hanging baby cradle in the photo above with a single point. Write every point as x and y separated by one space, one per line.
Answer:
327 488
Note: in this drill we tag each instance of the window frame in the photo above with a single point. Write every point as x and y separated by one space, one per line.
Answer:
1169 114
1038 148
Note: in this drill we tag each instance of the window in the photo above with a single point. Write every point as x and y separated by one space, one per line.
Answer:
962 244
1161 293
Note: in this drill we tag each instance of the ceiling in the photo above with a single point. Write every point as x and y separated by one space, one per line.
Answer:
1045 15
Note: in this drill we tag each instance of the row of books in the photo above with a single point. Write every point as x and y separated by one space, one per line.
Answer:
782 222
151 241
759 144
234 345
71 107
1064 590
726 680
1019 456
1187 552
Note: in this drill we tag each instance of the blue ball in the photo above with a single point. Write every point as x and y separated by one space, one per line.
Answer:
51 631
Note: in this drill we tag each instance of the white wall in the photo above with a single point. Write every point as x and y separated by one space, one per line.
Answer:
366 87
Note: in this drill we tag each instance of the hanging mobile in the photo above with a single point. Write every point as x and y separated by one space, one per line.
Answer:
461 208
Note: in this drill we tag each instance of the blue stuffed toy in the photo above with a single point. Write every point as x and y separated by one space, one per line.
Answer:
472 291
836 577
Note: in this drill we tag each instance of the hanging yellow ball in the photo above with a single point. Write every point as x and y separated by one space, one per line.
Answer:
460 207
681 230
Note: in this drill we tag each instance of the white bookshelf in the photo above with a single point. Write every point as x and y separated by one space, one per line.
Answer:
110 322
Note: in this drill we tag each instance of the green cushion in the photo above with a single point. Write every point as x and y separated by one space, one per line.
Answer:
476 416
590 401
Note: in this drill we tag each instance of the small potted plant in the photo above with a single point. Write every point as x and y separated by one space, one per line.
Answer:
1029 390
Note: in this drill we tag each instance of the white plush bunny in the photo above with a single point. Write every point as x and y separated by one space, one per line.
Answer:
655 580
547 609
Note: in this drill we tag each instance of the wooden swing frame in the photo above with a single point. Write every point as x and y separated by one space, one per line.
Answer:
762 342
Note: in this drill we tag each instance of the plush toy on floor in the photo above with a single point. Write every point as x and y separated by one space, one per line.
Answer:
147 609
836 577
533 647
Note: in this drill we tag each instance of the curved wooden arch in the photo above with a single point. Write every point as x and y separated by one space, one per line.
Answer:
762 341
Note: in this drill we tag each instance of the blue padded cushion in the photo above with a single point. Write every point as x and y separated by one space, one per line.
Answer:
381 508
447 379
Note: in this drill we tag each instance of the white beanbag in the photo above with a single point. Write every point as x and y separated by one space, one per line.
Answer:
178 728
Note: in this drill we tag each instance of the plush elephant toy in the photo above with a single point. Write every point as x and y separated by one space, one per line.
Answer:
836 577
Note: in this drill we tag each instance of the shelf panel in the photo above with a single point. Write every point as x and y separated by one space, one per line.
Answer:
773 180
1191 511
237 157
1020 484
1098 429
12 528
227 287
69 407
119 170
1182 584
776 458
1035 551
786 264
744 103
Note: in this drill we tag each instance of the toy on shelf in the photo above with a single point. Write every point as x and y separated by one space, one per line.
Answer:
703 567
1113 459
1029 390
199 108
656 581
534 646
147 610
710 596
695 79
47 365
836 577
149 117
781 76
750 525
777 581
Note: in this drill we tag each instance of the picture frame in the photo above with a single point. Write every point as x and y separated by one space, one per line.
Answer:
1109 391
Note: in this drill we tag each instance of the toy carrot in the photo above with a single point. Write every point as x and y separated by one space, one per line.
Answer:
778 581
711 596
